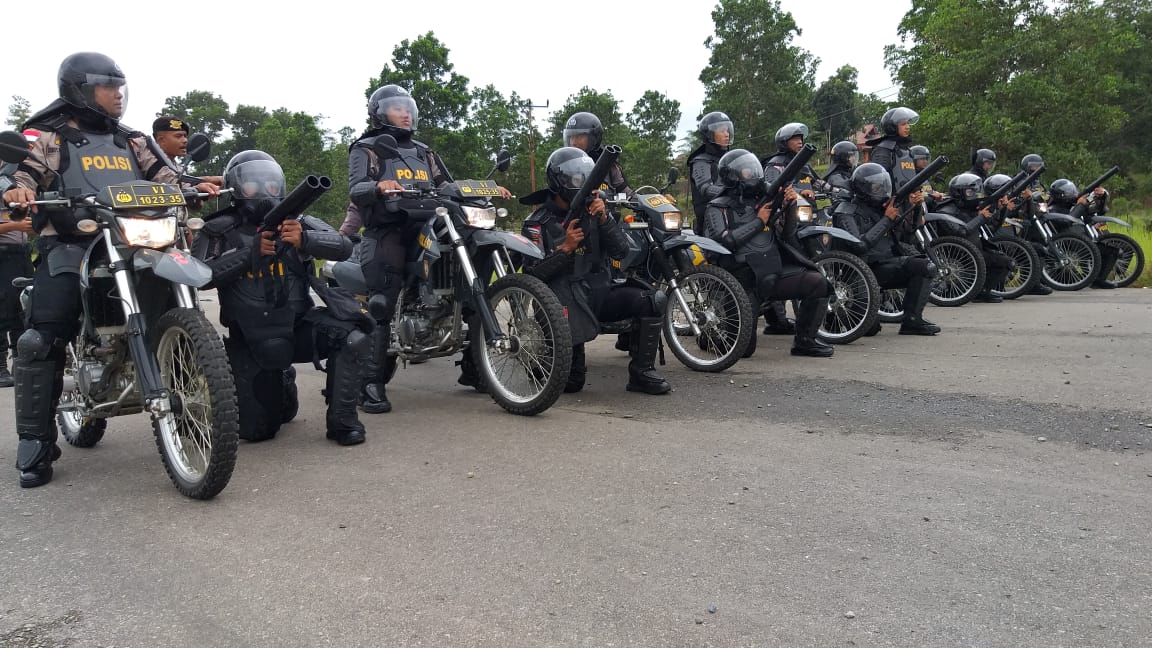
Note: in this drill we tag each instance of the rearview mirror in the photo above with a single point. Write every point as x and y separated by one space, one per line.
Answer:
385 146
673 175
503 160
199 146
13 147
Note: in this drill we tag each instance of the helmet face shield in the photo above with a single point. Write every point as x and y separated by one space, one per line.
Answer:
256 179
399 111
568 169
741 169
873 182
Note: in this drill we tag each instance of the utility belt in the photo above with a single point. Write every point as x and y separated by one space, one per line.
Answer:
15 249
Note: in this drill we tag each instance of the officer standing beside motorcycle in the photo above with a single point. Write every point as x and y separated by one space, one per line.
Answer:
15 261
263 286
716 133
921 156
742 220
871 217
82 124
389 233
892 150
842 162
577 266
171 135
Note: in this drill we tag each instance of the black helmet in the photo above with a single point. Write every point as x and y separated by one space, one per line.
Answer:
741 171
872 182
712 123
994 183
567 170
584 123
892 119
1064 192
981 156
395 99
254 176
787 132
919 152
845 154
79 75
966 189
1031 162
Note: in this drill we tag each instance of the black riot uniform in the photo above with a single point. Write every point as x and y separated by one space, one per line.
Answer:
838 179
891 151
1024 211
703 180
81 147
964 194
271 319
775 315
391 224
585 123
765 257
983 163
1064 200
15 261
864 218
581 276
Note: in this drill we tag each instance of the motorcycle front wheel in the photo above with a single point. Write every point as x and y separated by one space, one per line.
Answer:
198 438
854 307
1129 261
721 309
961 274
525 371
1072 263
1025 272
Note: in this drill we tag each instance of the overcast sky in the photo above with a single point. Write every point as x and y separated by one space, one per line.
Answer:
319 59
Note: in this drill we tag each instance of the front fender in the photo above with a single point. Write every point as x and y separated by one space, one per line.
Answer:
834 232
1066 218
174 265
509 240
1097 220
937 217
686 240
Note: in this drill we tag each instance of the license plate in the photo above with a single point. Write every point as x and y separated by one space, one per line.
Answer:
153 195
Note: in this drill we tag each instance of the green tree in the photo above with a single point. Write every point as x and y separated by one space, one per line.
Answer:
836 105
204 111
653 122
754 72
19 111
296 141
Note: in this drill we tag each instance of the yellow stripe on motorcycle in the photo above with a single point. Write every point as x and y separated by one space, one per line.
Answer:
697 256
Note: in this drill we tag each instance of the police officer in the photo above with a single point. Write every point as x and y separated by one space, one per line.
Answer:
789 140
584 131
741 219
1032 197
171 135
577 266
84 123
716 132
263 286
983 163
1066 199
965 191
892 150
870 217
15 261
842 162
388 230
921 156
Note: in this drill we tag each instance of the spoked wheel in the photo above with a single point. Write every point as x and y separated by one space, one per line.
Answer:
77 426
1129 260
961 271
198 438
1027 263
1072 263
525 371
855 300
721 310
891 310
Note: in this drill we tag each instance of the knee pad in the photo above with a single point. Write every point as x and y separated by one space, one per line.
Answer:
358 342
378 307
273 354
766 285
657 302
35 345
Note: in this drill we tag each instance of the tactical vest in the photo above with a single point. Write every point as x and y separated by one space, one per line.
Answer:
904 169
89 164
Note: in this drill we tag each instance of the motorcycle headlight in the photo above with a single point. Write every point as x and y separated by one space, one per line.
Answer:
1043 208
481 217
672 221
148 232
805 213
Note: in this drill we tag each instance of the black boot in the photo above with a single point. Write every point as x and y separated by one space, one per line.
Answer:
35 409
642 374
776 318
344 381
624 342
915 299
291 396
1040 289
377 372
6 379
876 328
578 372
808 320
988 297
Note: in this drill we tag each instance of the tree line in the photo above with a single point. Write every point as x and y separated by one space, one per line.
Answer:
1069 80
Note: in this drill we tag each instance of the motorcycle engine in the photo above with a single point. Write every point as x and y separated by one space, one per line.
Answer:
93 381
425 322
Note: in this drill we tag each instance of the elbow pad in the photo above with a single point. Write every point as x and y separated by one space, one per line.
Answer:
229 266
330 245
551 266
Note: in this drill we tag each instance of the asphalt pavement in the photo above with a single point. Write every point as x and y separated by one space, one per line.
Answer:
985 487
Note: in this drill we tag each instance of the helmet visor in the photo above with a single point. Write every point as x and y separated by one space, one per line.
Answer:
720 132
877 183
257 179
572 173
901 115
746 170
399 111
109 93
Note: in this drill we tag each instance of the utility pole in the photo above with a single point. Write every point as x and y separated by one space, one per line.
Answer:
532 143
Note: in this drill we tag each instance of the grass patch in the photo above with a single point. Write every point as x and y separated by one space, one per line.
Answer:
1141 230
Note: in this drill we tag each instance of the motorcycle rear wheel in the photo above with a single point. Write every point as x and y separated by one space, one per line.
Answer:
526 376
197 440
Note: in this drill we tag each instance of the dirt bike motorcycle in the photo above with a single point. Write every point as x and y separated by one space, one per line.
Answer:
145 345
514 327
708 322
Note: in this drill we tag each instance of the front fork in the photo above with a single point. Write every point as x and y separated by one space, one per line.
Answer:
136 329
478 289
669 272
